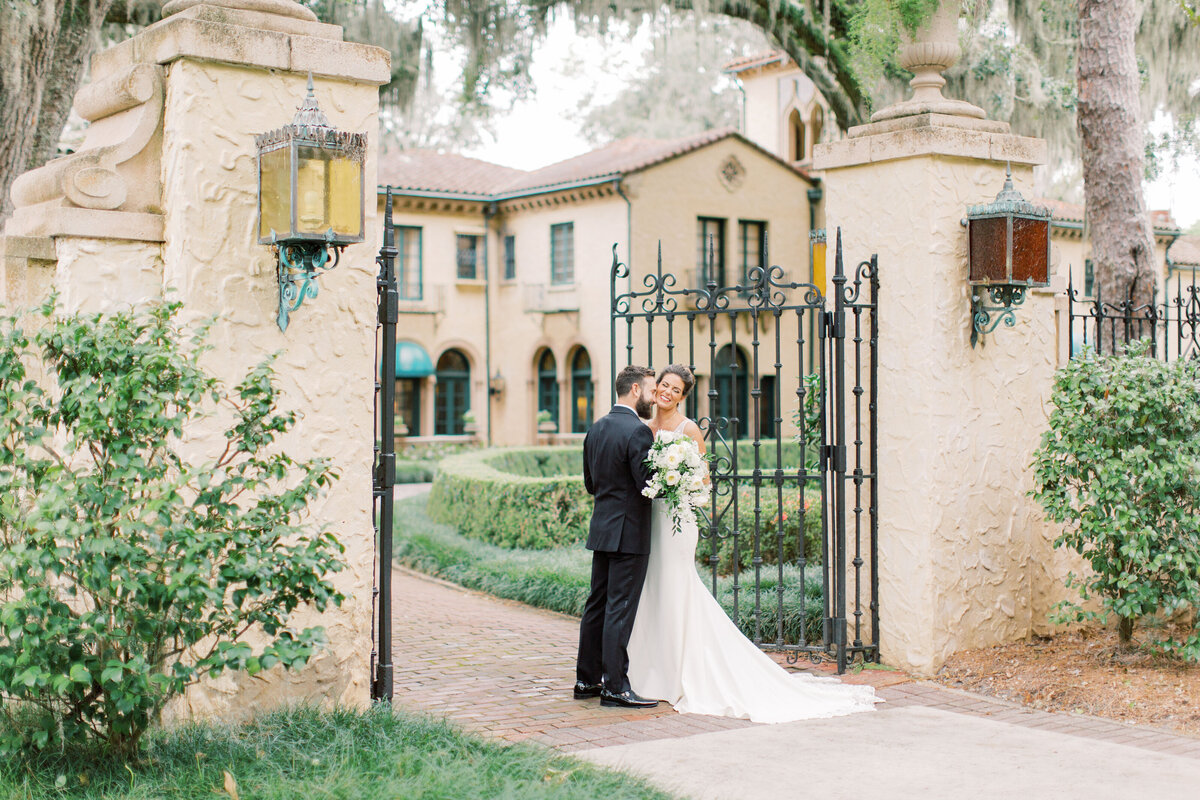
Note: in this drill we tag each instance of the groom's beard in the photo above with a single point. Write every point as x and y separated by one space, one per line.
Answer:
644 407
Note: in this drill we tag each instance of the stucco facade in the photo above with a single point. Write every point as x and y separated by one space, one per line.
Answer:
504 323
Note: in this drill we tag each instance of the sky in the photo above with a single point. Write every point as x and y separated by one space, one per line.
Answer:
544 128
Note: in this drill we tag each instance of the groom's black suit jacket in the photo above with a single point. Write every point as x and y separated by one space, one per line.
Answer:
615 471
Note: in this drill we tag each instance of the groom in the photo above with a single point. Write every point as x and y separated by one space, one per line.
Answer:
614 470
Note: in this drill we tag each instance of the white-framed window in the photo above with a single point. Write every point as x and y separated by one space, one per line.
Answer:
562 253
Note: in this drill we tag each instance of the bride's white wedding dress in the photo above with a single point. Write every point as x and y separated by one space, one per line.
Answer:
684 649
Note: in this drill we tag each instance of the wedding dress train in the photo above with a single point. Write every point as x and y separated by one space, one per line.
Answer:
684 649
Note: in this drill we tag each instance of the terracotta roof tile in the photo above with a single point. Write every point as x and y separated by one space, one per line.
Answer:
1186 250
619 158
425 170
429 170
756 60
1062 211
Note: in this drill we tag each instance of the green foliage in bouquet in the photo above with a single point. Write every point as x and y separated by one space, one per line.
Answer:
1119 468
129 569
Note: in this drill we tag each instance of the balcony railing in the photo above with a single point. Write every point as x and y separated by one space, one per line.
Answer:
543 299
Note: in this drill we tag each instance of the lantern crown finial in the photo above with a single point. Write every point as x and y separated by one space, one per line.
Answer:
310 114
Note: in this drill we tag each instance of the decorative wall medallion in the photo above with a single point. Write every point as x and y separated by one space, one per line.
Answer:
732 174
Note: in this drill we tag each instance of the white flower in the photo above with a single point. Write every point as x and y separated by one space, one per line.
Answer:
672 458
650 491
673 477
695 484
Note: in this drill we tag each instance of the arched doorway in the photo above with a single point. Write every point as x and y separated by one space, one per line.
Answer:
581 391
413 367
547 385
451 395
731 380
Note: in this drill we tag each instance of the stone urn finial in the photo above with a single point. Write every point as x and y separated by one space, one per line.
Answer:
928 53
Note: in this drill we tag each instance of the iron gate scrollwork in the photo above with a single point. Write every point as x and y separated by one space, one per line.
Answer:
745 343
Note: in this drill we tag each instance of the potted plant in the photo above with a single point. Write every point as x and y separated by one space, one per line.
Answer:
469 424
545 422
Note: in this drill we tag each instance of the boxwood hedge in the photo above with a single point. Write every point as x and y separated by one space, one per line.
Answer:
530 498
533 497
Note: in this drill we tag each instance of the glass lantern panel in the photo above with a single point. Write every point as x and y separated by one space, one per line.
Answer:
989 250
346 196
1031 250
275 196
312 190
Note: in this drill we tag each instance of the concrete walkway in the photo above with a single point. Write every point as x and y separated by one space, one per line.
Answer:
505 670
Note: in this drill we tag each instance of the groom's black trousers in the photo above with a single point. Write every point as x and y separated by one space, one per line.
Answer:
608 619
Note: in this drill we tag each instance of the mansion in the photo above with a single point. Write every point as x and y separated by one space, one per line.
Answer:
504 274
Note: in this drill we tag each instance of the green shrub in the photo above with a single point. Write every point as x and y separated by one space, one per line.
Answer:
415 471
127 571
536 507
559 580
1119 467
796 514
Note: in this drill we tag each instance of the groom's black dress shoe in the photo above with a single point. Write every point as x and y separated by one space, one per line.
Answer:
583 691
626 699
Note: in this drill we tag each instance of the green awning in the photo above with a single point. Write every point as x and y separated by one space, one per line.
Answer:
412 361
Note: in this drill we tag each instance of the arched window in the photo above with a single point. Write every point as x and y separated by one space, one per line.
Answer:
796 151
818 124
547 385
731 381
581 392
451 396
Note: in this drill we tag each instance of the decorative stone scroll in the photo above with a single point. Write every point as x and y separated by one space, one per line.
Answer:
116 169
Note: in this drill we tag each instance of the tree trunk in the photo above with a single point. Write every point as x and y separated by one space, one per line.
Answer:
41 65
1111 134
1125 631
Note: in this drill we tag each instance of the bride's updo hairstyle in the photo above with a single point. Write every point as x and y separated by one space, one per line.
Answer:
683 373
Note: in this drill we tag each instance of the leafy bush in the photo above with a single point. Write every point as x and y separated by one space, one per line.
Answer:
799 521
417 463
559 580
415 471
128 571
1119 467
529 498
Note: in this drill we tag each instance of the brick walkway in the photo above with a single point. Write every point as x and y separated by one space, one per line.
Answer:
506 670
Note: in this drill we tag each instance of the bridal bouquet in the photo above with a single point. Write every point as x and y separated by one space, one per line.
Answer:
677 476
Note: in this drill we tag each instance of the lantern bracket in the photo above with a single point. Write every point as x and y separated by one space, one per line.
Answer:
298 265
1004 299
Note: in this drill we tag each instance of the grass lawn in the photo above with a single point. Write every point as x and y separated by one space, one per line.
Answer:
559 579
311 754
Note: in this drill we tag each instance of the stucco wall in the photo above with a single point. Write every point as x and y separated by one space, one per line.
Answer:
966 559
212 263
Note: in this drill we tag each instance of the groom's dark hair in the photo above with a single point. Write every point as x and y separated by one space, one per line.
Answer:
630 375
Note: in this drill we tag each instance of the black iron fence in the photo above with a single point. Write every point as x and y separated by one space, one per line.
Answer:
1172 325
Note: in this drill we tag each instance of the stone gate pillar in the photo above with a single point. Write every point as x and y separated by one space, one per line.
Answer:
965 559
160 201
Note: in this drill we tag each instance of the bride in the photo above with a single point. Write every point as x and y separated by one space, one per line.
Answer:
684 649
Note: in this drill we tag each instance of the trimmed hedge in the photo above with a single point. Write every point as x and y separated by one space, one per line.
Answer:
531 498
559 579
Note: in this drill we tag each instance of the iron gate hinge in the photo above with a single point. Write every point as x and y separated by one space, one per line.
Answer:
833 327
389 306
386 477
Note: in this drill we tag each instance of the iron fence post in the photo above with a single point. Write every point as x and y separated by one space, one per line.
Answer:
838 335
385 470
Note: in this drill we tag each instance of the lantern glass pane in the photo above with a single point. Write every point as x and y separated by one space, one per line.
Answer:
1031 250
346 197
275 195
312 190
989 250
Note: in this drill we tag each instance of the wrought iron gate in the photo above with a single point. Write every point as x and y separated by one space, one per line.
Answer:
752 346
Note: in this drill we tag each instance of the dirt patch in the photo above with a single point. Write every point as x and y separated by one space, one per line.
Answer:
1084 672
